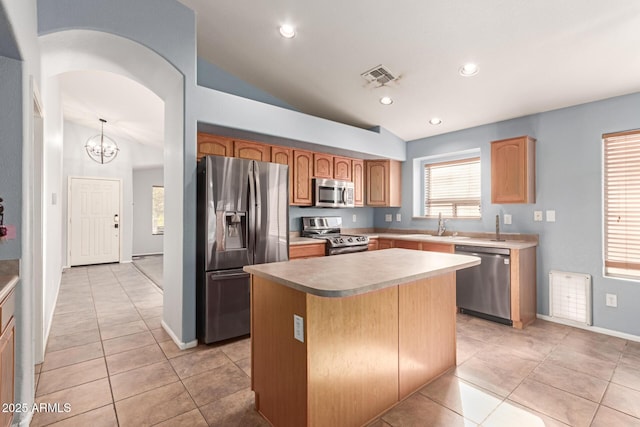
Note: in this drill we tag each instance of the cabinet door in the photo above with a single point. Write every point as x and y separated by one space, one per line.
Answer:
214 145
7 371
358 181
306 251
377 183
438 247
283 155
385 243
322 165
373 245
513 170
302 172
251 150
407 244
342 168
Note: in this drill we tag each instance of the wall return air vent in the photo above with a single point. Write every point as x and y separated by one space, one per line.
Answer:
379 76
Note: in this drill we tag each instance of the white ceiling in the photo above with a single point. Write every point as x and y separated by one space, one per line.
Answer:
533 56
132 111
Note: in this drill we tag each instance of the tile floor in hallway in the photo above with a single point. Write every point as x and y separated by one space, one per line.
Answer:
109 358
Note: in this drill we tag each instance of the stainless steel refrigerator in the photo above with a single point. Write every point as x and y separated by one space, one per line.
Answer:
243 219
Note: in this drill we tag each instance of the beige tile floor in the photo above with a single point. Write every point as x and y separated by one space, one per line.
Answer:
110 359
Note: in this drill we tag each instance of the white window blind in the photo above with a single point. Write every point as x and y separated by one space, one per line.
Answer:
452 188
622 204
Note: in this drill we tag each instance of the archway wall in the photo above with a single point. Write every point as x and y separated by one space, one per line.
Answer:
152 42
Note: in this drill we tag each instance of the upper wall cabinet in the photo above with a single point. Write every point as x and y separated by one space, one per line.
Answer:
384 183
322 165
513 177
251 151
214 145
342 168
302 173
358 181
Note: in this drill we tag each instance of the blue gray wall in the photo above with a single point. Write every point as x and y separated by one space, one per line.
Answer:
216 78
11 153
568 180
364 216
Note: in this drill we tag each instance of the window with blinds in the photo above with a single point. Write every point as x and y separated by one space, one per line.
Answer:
622 204
452 188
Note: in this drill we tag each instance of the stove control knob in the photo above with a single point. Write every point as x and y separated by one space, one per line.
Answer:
349 239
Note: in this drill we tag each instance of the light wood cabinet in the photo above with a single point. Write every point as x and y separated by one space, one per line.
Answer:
513 170
357 171
302 173
322 165
7 356
284 156
384 183
342 168
523 287
307 250
385 243
438 247
251 150
214 145
407 244
373 244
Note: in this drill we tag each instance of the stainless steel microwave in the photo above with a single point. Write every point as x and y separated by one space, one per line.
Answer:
332 193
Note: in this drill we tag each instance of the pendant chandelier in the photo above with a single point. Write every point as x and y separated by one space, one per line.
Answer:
101 148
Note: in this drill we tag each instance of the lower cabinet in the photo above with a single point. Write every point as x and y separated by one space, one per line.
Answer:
385 243
7 357
306 251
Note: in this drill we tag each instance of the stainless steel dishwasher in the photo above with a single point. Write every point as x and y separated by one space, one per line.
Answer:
485 290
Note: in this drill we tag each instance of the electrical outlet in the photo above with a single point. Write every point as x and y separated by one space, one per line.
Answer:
537 215
507 219
354 218
612 300
388 218
398 217
298 328
551 216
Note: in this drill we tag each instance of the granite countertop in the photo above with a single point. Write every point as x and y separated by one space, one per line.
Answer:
7 283
359 273
297 240
457 240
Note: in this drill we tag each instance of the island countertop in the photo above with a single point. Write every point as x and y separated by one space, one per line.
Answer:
359 273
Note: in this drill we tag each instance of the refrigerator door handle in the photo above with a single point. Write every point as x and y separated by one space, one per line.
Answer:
258 207
252 213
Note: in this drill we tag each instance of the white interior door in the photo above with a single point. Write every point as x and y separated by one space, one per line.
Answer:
94 221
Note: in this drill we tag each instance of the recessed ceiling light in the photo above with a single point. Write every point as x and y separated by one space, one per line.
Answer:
287 31
435 121
385 100
468 70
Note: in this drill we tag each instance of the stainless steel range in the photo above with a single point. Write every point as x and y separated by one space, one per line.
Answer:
328 228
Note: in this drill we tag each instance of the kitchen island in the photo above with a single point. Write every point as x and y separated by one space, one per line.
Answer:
338 340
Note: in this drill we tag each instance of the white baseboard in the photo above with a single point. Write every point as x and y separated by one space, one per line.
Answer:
181 345
148 254
597 329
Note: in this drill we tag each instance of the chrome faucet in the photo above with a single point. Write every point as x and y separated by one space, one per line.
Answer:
441 227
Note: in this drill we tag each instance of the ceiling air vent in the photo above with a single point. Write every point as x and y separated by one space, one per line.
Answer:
379 75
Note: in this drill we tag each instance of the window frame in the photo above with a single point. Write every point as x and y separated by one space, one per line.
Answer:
612 264
454 158
156 230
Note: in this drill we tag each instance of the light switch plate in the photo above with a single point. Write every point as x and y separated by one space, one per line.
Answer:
398 217
612 300
388 218
354 217
507 219
537 215
298 328
551 216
